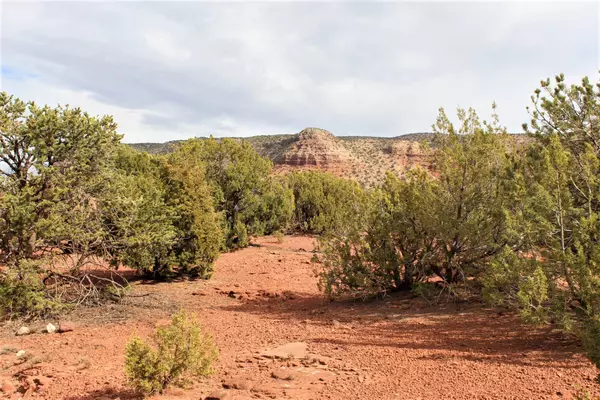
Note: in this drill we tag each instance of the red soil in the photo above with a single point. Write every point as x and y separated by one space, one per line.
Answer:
396 348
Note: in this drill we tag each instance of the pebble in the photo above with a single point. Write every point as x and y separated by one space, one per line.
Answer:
50 328
23 331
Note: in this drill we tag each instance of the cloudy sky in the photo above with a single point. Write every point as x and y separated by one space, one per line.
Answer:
172 70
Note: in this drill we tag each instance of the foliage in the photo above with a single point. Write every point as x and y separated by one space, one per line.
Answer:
250 200
23 293
323 202
135 216
50 156
198 230
159 214
451 225
279 236
182 351
562 171
557 278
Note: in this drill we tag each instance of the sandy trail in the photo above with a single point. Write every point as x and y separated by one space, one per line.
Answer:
263 297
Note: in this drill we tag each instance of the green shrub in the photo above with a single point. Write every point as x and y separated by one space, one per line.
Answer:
158 215
279 236
451 225
243 190
323 202
23 293
182 352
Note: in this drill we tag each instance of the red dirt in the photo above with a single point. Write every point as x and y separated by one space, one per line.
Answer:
396 348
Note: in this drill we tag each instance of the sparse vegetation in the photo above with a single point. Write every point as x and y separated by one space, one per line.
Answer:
181 352
324 202
514 222
450 226
519 222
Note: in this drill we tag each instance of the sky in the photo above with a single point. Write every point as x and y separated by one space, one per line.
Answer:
174 70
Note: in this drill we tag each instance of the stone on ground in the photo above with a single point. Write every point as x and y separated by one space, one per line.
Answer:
7 387
23 331
218 395
289 350
65 327
50 328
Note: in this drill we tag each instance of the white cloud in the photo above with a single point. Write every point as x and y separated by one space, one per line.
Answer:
169 70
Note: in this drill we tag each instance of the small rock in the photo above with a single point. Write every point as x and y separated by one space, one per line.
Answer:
198 294
283 375
218 395
336 323
237 384
7 387
21 353
42 380
289 350
50 328
65 327
23 331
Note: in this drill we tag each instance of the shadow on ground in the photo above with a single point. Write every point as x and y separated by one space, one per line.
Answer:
466 331
109 393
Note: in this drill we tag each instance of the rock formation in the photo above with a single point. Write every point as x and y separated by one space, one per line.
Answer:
317 148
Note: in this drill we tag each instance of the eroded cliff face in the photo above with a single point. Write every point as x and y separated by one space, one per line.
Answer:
317 148
407 154
365 159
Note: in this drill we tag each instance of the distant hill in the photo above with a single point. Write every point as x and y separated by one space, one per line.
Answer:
363 158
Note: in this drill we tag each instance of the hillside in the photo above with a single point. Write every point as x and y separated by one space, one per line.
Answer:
363 158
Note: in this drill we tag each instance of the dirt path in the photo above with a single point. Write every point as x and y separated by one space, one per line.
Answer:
264 297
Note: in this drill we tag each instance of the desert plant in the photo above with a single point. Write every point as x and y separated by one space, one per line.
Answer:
182 351
279 236
323 202
50 157
451 225
243 190
563 207
23 293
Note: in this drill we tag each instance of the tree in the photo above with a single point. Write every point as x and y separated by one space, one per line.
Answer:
158 214
137 221
562 172
451 224
50 156
323 202
197 224
475 195
249 199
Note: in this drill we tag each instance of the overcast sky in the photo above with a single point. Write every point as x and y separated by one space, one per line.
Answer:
169 70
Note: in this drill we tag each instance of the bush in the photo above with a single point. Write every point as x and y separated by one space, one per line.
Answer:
279 236
182 352
50 158
243 190
158 215
451 225
323 202
23 293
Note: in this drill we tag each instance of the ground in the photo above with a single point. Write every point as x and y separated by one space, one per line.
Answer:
266 296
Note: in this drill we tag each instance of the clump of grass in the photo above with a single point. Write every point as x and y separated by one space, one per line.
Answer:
8 350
